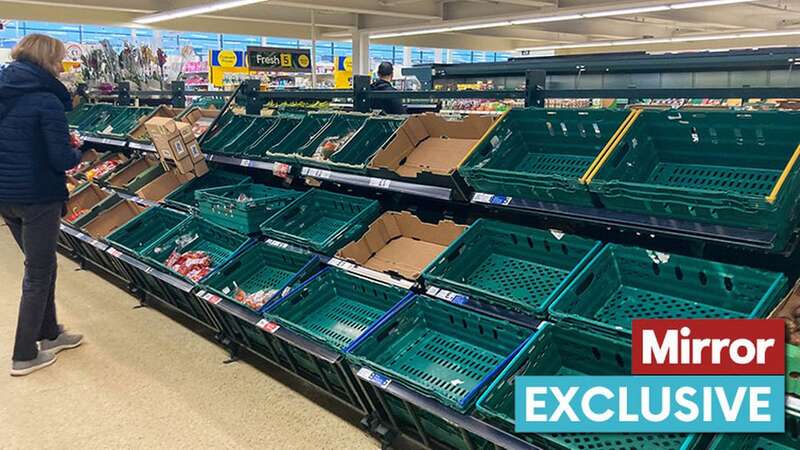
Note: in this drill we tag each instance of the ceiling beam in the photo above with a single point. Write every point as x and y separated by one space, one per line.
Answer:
338 7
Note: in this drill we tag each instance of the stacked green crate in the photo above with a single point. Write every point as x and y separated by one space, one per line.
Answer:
563 351
194 235
184 196
626 283
322 221
333 308
442 351
519 268
541 154
243 207
264 269
356 149
728 168
139 234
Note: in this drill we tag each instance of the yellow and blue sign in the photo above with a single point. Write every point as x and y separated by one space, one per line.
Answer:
225 61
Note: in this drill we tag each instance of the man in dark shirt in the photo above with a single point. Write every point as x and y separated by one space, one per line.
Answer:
384 83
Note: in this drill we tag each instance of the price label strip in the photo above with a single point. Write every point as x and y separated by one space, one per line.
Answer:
375 378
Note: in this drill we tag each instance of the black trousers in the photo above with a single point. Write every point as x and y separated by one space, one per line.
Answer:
35 228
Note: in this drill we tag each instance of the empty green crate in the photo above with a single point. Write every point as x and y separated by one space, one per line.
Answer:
339 128
221 205
144 230
334 308
715 166
116 121
261 267
279 130
322 220
184 196
541 154
138 235
519 268
626 283
443 351
356 152
565 351
217 242
771 441
237 134
285 149
86 115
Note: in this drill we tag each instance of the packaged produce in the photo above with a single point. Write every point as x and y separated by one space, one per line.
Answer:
103 169
76 213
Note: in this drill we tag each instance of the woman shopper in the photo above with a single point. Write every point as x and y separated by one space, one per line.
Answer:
35 150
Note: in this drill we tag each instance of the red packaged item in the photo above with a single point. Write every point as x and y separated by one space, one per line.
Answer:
192 265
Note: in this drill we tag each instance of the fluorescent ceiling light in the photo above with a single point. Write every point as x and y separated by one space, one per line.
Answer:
562 18
705 3
194 10
620 43
625 12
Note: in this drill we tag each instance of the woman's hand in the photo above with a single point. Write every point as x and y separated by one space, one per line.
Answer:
75 140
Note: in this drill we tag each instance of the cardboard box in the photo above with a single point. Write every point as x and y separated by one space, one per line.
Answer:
789 311
430 143
186 131
199 119
162 186
400 243
121 179
140 134
184 165
85 198
200 168
194 151
109 220
168 137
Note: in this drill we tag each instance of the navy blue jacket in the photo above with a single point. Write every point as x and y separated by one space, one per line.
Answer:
34 135
387 105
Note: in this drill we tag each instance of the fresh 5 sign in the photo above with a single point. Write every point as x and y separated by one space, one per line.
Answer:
690 376
272 59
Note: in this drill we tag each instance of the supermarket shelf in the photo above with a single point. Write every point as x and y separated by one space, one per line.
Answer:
469 111
149 148
144 202
83 237
231 161
365 272
494 435
270 327
436 192
105 141
793 406
645 224
481 307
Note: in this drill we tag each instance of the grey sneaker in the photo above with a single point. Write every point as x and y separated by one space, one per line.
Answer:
64 341
22 368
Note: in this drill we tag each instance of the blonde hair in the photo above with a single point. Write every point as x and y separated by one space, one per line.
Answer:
43 50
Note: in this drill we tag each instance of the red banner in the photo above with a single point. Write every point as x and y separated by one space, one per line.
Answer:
708 347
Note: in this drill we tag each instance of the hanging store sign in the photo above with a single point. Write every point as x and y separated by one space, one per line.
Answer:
222 62
273 59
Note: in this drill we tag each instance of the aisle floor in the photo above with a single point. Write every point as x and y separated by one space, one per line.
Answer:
143 380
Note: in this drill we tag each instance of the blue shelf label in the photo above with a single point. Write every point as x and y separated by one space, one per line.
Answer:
500 200
373 377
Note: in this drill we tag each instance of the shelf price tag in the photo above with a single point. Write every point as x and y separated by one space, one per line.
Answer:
500 200
376 378
209 157
450 297
344 265
266 325
317 173
277 244
480 197
380 183
114 252
245 163
558 234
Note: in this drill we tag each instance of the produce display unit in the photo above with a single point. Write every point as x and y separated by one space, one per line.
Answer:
394 396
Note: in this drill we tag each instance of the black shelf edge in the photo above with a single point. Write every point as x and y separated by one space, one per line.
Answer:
248 163
144 202
468 423
149 148
436 192
762 240
482 307
105 141
366 273
272 327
